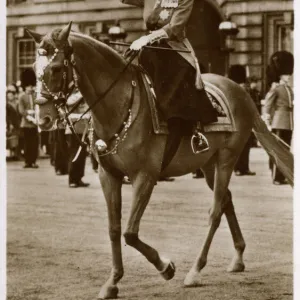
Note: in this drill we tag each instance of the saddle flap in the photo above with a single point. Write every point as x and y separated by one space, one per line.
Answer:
159 125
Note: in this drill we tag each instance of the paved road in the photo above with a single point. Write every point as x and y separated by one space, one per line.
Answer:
58 246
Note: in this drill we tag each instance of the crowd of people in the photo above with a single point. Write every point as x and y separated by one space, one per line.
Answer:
25 141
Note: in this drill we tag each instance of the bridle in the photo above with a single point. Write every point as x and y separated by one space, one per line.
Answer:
60 98
66 88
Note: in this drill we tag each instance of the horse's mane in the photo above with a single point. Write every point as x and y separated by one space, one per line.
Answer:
100 47
52 39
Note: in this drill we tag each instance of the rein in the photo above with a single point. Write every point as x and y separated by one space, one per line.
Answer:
108 89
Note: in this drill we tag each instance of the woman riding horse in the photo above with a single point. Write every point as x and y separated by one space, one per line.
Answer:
122 117
181 99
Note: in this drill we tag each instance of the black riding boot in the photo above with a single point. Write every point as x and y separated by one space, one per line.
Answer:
199 142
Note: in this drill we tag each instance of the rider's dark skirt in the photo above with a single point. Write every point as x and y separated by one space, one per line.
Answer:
174 81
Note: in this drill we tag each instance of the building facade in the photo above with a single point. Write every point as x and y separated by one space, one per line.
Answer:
265 26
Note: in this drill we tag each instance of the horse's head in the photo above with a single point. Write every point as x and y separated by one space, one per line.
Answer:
55 74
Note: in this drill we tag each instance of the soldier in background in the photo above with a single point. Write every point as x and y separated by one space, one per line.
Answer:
254 92
59 148
278 109
256 97
76 168
29 127
237 73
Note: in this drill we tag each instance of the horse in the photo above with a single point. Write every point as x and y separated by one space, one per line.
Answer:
67 57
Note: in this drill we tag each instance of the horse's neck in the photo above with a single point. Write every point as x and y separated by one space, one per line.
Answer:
98 68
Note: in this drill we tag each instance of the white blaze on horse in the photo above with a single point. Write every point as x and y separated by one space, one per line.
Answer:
66 59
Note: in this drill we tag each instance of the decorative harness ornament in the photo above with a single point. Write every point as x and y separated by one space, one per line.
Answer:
60 98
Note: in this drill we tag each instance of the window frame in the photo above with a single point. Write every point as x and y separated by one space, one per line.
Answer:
22 67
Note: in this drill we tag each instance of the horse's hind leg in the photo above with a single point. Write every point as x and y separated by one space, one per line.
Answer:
237 264
219 173
142 188
111 186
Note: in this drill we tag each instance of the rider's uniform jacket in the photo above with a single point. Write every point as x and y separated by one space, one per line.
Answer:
171 16
279 106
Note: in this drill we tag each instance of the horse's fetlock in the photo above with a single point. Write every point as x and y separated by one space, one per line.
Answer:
118 274
131 238
240 246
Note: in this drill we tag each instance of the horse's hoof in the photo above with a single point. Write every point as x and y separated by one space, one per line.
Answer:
108 292
169 272
236 267
192 279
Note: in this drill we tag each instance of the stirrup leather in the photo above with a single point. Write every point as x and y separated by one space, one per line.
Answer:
199 143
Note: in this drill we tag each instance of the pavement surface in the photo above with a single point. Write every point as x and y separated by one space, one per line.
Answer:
58 245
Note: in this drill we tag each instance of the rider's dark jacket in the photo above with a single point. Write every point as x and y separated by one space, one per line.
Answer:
179 94
173 20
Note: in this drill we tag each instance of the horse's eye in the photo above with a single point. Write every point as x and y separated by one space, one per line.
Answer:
42 52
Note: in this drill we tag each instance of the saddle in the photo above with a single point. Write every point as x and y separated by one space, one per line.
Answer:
218 99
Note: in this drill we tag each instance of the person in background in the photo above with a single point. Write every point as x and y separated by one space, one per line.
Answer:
237 73
12 95
12 125
256 97
44 144
254 92
76 168
29 127
59 149
278 108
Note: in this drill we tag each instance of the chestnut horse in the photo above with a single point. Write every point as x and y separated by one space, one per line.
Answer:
65 57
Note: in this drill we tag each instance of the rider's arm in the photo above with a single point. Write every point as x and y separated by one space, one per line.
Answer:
180 17
139 3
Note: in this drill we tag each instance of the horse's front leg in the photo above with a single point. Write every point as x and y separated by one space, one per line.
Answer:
111 186
143 185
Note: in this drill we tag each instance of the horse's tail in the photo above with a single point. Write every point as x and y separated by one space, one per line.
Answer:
278 151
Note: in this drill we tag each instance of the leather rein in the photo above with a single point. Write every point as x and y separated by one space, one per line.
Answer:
60 98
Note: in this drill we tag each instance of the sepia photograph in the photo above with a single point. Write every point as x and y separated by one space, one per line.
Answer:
148 150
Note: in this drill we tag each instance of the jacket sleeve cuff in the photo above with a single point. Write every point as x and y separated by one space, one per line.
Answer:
157 35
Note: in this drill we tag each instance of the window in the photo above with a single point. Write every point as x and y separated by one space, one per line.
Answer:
285 38
25 55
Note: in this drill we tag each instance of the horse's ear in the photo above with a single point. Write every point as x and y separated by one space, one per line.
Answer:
36 36
64 34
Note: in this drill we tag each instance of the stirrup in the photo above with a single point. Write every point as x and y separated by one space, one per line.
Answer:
199 143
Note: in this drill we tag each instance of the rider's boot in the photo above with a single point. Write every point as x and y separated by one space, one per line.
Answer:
199 142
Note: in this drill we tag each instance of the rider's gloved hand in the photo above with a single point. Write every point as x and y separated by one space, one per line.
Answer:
140 43
143 41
